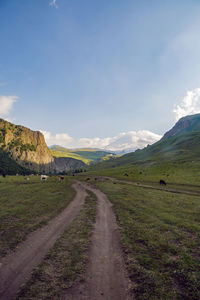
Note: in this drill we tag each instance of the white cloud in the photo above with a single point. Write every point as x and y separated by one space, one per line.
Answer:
131 140
6 104
189 105
53 3
62 139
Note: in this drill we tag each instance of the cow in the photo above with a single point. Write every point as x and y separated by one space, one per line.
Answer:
26 178
61 178
162 182
43 177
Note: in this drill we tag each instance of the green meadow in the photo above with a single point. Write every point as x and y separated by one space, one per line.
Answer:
66 262
27 205
176 160
160 235
87 156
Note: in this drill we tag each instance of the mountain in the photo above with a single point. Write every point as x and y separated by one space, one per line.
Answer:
86 155
9 166
185 124
28 149
174 157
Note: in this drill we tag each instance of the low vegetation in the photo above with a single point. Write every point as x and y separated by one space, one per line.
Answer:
9 166
87 156
66 261
160 233
176 160
28 204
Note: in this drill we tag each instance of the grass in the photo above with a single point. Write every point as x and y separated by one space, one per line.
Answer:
176 160
160 234
27 205
88 156
66 261
70 155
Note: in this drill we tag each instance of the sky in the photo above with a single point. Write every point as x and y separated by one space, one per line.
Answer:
111 74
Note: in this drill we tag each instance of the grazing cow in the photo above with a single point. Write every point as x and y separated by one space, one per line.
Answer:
27 178
162 182
4 175
43 177
61 178
125 174
88 178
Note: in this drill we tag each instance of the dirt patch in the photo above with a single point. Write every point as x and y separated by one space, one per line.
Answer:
16 268
106 276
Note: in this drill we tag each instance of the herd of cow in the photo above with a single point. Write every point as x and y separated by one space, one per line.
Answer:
45 177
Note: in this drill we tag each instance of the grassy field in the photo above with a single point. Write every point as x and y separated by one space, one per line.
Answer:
66 261
27 205
176 160
87 156
160 234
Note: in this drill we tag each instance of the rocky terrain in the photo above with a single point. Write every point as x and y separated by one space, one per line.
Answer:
185 124
28 149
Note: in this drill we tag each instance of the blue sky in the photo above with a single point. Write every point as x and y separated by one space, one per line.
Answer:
95 69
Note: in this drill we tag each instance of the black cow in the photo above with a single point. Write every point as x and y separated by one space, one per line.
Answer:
162 182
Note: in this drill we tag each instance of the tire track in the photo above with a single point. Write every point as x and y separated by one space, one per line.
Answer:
106 276
16 268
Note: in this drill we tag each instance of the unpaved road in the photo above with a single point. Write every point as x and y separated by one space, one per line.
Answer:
16 268
106 277
165 189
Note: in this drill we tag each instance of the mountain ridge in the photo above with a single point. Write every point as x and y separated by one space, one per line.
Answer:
188 123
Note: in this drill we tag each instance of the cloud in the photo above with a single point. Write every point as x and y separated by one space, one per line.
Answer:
127 141
53 3
189 105
6 104
62 139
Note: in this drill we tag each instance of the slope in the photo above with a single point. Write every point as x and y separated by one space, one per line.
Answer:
87 155
174 159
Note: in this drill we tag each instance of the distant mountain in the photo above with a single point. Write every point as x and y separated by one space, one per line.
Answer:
178 152
185 124
27 148
86 155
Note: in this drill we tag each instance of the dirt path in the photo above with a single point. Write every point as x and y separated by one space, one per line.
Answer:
16 268
106 277
165 189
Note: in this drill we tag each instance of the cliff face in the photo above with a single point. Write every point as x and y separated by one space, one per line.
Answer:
66 164
26 147
185 124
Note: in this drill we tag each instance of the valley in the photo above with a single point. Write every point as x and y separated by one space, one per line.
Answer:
108 230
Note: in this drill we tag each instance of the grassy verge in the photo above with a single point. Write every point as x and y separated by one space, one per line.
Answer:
27 205
66 261
160 234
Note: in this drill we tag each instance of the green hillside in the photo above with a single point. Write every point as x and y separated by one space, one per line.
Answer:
175 159
87 155
9 167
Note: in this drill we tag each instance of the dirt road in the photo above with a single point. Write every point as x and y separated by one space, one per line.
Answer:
16 268
106 277
165 189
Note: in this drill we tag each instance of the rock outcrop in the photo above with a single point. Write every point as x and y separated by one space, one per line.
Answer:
28 148
185 124
66 164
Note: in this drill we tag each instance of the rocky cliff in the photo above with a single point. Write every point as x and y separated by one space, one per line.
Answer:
66 164
185 124
28 148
